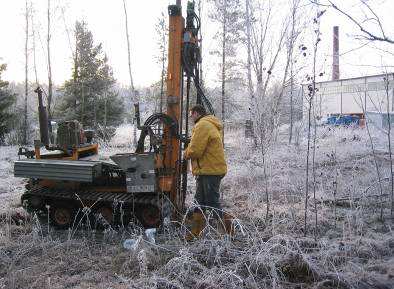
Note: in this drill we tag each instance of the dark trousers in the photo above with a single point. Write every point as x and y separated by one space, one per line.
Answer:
207 192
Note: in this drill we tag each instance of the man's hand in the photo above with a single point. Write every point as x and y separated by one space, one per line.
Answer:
185 140
186 155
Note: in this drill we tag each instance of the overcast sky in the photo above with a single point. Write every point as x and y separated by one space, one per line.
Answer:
106 21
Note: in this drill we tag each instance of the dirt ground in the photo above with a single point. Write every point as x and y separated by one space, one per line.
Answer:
348 242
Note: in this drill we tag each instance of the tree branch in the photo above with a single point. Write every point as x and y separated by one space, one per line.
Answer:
369 35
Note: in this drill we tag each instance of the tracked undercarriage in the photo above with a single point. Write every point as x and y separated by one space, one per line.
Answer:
112 207
148 184
120 191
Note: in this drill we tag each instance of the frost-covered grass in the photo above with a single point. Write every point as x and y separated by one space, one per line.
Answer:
352 247
10 187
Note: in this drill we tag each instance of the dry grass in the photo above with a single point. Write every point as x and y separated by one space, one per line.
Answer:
352 249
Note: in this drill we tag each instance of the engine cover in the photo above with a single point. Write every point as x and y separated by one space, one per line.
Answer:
65 170
140 171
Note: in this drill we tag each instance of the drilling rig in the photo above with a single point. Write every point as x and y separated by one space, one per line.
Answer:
147 185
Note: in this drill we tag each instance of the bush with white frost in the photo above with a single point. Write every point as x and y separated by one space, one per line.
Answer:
352 247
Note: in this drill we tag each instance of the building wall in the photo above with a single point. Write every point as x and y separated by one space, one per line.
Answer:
346 96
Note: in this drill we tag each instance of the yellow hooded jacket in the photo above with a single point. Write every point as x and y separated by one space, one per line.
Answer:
206 147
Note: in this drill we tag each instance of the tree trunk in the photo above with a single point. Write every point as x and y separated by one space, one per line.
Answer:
311 96
314 169
291 103
94 97
25 130
307 164
364 108
292 42
224 35
200 39
33 31
386 84
105 111
50 88
163 71
75 76
83 103
249 64
133 94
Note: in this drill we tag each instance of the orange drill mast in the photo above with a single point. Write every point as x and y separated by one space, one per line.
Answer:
147 185
183 60
174 99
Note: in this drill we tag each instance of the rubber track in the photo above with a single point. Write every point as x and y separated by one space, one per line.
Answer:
94 196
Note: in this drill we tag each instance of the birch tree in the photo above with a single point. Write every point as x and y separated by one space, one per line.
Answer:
227 13
134 96
264 51
33 31
50 84
265 57
310 102
25 130
248 20
162 43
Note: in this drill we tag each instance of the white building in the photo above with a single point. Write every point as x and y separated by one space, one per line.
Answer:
359 95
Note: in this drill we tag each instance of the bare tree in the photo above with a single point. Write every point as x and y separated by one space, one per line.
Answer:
370 16
227 14
200 13
372 30
249 60
386 88
33 31
132 89
27 25
314 168
162 31
291 100
265 54
66 28
310 99
294 34
224 42
74 53
378 174
50 85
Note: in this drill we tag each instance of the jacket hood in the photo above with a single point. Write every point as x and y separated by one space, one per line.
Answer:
214 120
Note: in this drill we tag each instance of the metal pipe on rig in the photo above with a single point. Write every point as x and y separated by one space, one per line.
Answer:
43 118
137 114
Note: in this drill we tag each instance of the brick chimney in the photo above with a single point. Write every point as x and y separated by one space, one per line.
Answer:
335 53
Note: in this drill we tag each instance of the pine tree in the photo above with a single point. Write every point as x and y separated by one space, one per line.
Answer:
7 98
89 96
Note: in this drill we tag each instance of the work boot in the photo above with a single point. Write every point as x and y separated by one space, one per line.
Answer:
228 224
218 226
195 225
223 225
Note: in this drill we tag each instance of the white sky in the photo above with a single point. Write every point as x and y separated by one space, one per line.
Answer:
355 61
105 19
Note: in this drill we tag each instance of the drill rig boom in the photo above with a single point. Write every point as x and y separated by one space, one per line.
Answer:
145 186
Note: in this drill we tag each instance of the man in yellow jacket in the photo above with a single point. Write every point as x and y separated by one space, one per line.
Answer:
206 153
